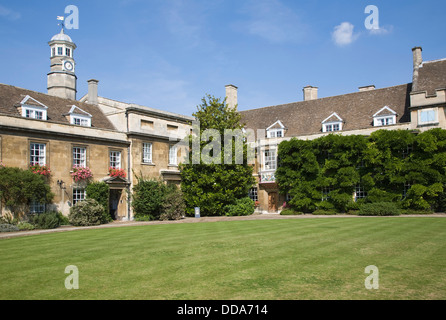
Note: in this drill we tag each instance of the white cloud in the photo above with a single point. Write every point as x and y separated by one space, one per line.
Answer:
381 30
9 14
272 21
343 34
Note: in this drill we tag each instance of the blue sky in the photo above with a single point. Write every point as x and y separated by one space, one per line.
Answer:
168 54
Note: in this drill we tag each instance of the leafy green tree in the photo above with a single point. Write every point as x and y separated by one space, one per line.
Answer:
147 199
19 187
217 173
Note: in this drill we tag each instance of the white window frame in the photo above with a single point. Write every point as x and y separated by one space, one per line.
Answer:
386 119
269 160
80 120
37 154
275 132
332 126
31 111
79 157
59 51
115 159
433 121
147 152
79 194
173 157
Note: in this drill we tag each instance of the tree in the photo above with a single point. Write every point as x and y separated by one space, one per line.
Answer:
147 198
19 187
217 174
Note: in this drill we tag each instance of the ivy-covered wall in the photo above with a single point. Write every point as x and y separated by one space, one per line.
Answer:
340 173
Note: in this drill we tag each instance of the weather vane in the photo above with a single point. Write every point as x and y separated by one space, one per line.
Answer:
61 18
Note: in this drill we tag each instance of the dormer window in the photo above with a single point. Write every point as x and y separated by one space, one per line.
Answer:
384 117
79 117
277 130
33 109
332 124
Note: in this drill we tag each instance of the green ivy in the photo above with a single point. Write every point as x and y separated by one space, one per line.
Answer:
400 166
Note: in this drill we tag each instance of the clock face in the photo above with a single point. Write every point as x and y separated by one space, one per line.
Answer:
68 65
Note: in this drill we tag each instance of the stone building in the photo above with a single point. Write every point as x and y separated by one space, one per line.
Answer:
419 105
60 132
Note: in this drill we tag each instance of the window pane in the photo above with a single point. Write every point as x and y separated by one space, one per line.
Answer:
253 194
79 157
37 154
270 160
59 51
147 153
173 155
78 195
427 116
115 159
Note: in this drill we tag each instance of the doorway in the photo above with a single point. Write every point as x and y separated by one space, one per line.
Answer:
114 200
272 202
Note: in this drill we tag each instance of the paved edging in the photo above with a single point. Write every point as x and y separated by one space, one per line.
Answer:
5 235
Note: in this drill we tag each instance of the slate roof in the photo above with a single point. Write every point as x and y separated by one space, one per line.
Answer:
355 109
58 108
431 76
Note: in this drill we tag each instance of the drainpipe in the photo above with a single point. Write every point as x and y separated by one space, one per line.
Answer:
128 169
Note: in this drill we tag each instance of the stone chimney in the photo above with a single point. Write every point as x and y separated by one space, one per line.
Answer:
310 93
92 97
367 88
231 96
417 61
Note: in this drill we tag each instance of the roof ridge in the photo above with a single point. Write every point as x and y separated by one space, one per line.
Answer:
336 96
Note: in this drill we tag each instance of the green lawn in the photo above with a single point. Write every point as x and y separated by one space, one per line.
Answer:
284 259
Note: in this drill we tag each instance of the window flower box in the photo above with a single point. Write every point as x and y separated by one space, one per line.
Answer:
41 170
80 174
115 172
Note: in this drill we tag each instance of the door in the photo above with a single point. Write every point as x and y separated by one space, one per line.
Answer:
272 202
115 197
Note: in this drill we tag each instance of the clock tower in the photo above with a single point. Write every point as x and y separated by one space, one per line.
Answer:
61 78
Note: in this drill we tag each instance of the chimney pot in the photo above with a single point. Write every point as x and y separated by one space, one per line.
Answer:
92 97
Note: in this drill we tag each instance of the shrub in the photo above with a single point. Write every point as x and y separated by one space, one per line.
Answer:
290 212
242 207
6 227
19 187
47 220
100 191
173 207
63 220
23 225
379 209
146 217
324 212
148 196
86 213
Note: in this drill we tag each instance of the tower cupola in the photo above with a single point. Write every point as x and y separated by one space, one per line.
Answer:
62 77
